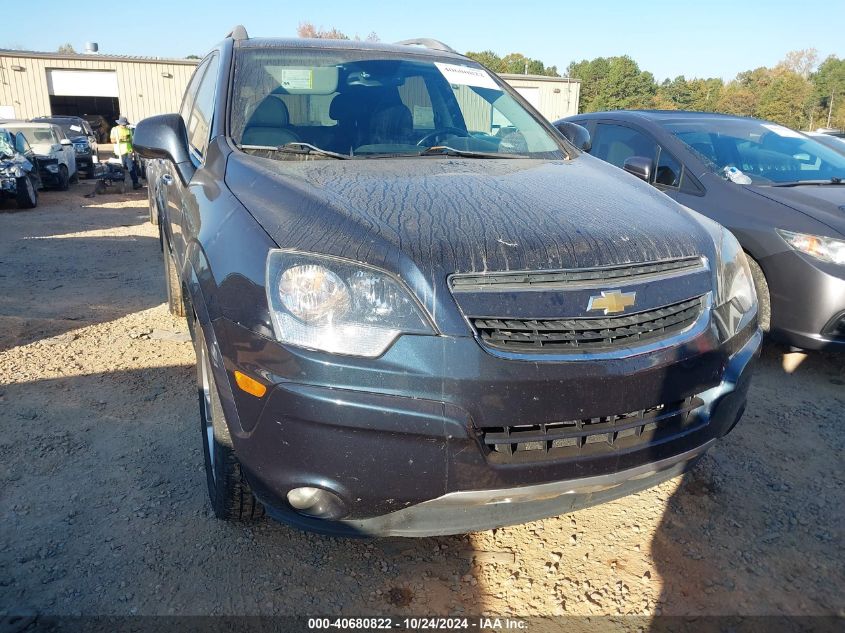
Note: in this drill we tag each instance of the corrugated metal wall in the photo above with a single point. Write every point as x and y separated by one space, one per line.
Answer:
553 105
144 88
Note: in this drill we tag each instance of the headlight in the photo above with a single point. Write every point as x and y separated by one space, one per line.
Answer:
53 169
736 298
826 249
338 306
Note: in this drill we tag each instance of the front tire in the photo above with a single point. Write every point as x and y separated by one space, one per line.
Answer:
153 204
764 302
175 302
27 194
230 495
64 180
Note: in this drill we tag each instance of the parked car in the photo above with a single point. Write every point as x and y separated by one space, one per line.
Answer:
84 140
19 177
408 325
830 131
833 142
778 191
56 156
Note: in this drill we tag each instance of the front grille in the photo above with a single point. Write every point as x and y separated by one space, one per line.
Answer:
588 436
568 335
541 279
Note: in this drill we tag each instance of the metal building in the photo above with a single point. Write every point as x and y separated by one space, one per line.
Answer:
35 84
553 97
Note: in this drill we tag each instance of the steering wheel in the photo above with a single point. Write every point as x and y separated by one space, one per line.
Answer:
426 140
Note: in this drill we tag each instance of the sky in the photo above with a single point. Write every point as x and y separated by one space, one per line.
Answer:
715 38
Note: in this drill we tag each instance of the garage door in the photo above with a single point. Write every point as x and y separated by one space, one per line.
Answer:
82 83
531 95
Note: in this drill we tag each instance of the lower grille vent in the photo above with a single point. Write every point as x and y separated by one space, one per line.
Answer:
590 435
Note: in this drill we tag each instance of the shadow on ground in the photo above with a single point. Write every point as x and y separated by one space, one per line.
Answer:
756 527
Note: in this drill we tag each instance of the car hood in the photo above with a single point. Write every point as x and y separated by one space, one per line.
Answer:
444 215
824 203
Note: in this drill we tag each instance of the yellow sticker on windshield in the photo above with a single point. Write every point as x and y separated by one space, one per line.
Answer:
297 78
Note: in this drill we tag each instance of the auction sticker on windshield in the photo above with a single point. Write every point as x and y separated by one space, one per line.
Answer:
297 78
466 76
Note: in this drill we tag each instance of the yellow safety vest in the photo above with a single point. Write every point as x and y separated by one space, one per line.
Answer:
121 136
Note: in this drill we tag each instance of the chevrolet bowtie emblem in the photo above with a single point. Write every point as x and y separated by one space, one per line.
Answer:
612 301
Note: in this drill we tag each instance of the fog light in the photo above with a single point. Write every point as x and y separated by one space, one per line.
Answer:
316 502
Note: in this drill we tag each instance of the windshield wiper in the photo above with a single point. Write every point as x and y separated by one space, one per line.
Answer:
445 150
297 147
797 183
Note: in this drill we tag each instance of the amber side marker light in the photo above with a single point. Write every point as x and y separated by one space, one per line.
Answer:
250 385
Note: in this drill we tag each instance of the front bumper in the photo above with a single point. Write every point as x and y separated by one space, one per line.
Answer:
808 301
474 510
396 438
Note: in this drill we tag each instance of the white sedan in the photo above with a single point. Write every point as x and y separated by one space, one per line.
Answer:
55 153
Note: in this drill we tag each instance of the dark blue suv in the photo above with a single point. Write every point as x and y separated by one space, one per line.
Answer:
417 308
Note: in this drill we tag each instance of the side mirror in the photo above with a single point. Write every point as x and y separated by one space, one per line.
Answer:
575 134
639 166
164 136
65 142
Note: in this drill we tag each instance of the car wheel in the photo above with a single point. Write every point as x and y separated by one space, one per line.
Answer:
175 303
230 494
764 303
63 179
27 194
153 205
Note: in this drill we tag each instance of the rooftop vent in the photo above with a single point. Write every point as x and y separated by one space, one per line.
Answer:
91 48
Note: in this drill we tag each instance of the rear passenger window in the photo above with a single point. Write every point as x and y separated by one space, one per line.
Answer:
617 143
199 124
668 172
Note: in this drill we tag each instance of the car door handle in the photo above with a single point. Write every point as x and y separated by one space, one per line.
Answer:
167 179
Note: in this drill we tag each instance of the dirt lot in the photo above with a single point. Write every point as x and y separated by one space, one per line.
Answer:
103 505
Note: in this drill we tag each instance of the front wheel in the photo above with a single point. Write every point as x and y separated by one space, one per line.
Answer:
27 195
64 179
764 302
153 204
175 302
230 494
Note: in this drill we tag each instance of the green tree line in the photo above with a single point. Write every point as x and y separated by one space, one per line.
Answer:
798 92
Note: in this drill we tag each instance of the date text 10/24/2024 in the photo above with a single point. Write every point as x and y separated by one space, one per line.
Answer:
417 624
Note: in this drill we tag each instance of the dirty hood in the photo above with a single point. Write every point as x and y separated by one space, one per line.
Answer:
443 215
825 203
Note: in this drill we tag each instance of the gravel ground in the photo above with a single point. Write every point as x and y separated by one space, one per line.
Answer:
103 504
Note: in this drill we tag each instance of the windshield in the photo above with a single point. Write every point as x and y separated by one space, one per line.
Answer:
71 128
366 104
833 142
7 145
765 152
34 134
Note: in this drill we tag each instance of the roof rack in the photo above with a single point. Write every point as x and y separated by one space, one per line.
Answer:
436 45
237 33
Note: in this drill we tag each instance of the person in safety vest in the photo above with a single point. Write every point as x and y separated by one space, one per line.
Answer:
121 136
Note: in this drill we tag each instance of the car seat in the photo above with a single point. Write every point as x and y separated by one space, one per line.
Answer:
268 125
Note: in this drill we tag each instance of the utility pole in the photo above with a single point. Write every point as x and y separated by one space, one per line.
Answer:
830 109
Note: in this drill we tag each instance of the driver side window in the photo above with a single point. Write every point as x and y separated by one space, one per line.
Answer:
21 144
617 143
